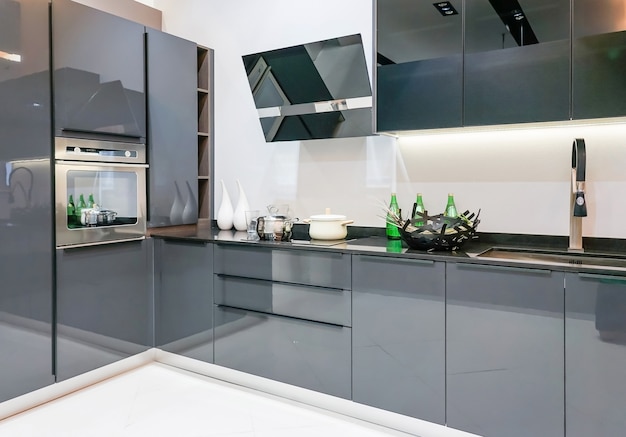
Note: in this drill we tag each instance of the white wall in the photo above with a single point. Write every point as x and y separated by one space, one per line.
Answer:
520 177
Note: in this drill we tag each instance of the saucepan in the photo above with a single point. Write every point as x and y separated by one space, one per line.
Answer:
328 226
277 225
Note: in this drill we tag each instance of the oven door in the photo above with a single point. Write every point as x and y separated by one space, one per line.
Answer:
99 203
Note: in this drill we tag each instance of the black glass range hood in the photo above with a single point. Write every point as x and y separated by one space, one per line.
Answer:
312 91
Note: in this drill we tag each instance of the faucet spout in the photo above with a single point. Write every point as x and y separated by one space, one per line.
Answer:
578 205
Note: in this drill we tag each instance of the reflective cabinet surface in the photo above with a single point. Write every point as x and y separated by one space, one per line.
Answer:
505 350
26 234
595 353
398 336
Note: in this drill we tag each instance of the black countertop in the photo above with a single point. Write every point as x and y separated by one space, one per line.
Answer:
360 242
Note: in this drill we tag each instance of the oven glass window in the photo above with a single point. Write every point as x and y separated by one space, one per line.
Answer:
97 198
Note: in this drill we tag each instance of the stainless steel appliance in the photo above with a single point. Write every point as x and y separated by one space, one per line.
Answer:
100 189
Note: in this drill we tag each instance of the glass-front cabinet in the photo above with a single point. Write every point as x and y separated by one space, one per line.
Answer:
420 65
599 58
516 66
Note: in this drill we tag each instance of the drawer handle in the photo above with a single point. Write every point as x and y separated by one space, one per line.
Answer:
603 277
386 259
503 268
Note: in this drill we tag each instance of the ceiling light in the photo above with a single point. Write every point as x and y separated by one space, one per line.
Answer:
445 8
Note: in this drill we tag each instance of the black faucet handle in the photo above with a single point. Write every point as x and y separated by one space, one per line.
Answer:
580 205
579 158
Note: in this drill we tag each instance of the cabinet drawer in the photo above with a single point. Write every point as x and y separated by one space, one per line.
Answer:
307 354
314 303
309 267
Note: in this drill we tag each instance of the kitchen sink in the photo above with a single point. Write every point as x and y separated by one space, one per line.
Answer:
538 256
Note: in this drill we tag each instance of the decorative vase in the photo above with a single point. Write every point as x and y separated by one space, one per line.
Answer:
225 211
190 211
239 217
176 211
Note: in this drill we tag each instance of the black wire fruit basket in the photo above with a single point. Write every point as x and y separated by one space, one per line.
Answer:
436 232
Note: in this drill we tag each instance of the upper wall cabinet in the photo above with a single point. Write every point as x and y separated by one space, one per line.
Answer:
420 65
599 58
98 68
516 61
490 62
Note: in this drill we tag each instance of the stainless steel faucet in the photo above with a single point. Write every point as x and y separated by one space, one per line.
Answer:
578 205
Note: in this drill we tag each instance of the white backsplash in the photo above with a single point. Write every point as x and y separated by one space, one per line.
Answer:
518 177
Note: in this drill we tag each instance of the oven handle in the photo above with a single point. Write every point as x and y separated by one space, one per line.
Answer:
101 164
100 243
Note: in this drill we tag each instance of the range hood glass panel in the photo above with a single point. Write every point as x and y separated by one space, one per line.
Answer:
312 91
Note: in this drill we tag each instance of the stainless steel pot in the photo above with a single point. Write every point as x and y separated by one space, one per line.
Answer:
275 227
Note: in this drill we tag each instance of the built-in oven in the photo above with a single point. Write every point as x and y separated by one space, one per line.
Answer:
100 192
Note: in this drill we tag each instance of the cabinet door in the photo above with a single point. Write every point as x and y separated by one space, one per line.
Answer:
595 353
517 61
104 305
599 59
173 129
98 61
307 267
299 352
420 57
398 333
184 298
26 232
505 357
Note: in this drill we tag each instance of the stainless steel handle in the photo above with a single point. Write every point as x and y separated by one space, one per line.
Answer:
100 243
603 277
391 259
503 268
101 164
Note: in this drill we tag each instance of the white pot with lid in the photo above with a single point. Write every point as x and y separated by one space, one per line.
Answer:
328 226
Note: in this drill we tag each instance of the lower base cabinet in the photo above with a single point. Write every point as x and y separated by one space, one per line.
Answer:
299 352
505 351
398 335
104 305
595 355
184 298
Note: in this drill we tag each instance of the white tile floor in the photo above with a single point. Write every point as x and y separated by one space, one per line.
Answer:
159 400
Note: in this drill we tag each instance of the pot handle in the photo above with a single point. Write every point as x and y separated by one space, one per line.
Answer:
306 220
346 222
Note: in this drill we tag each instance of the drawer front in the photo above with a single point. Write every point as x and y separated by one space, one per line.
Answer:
306 354
326 305
309 267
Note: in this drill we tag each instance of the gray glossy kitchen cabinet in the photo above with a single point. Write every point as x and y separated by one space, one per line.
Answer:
26 231
516 62
98 74
184 298
295 351
308 267
284 315
172 129
398 335
595 353
105 305
420 66
599 59
505 350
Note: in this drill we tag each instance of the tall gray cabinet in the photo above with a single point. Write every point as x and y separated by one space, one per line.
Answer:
172 129
26 231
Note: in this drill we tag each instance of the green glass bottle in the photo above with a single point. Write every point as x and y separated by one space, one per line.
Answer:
79 208
451 207
419 207
71 209
393 233
90 202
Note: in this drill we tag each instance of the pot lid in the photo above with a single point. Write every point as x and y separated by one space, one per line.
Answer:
328 217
